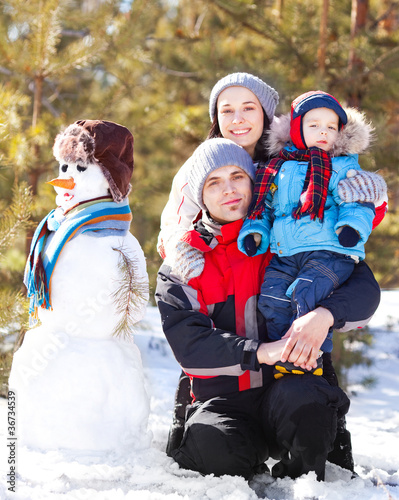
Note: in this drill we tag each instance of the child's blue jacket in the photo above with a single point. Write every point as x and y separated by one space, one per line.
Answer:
288 236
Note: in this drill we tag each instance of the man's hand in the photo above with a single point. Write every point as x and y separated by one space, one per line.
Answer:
305 337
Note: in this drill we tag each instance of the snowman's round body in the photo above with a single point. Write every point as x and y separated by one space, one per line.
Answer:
78 385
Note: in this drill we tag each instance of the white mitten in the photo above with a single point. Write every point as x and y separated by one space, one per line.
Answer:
187 262
362 186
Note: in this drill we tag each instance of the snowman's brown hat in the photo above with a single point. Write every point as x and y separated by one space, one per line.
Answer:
104 143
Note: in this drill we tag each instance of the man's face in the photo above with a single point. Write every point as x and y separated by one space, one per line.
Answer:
227 194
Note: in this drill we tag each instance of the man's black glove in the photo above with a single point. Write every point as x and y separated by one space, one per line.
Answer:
287 368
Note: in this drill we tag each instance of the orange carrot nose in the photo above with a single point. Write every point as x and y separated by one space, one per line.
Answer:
63 183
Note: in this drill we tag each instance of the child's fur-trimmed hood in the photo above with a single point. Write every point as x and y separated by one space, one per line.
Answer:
354 138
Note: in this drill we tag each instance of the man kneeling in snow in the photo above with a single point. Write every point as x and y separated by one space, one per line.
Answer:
240 415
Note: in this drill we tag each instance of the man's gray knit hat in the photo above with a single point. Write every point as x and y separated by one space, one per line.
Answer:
268 97
211 155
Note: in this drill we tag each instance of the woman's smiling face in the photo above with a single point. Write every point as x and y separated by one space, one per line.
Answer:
240 117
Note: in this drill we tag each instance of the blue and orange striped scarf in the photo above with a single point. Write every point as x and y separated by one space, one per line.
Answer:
102 215
315 187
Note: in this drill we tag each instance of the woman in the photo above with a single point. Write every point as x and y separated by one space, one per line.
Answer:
241 108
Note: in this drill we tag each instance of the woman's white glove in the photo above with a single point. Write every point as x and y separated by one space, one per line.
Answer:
186 262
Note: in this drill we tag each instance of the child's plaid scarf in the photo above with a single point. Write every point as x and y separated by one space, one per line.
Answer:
314 189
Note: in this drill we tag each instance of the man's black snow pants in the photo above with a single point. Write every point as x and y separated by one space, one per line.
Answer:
294 420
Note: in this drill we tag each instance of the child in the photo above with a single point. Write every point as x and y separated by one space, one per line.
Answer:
316 237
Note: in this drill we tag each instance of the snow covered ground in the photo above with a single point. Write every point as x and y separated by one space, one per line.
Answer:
149 474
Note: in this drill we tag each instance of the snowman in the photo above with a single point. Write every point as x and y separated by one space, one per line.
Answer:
78 376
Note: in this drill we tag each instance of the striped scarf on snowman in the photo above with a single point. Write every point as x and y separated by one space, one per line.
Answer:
102 216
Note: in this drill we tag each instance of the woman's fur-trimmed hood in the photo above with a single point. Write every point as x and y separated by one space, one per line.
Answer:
354 138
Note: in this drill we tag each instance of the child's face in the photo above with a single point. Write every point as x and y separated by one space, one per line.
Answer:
320 128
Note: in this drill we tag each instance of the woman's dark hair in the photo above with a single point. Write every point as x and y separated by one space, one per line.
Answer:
214 131
260 148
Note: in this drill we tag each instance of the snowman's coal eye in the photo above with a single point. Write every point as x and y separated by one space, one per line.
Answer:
64 168
79 168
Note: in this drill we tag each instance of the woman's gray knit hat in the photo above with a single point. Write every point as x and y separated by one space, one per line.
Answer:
268 97
211 155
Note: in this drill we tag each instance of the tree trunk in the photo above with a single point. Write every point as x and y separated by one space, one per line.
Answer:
35 170
322 50
280 8
37 99
359 14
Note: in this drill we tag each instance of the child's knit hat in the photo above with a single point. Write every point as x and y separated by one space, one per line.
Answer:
268 97
211 155
304 103
106 144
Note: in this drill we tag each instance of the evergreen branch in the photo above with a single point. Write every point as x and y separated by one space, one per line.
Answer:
45 35
180 39
37 53
131 295
163 69
75 33
16 217
367 72
12 310
76 55
380 61
280 39
390 8
380 483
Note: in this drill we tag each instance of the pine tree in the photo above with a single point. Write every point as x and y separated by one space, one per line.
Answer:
41 53
46 49
15 209
150 65
14 220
